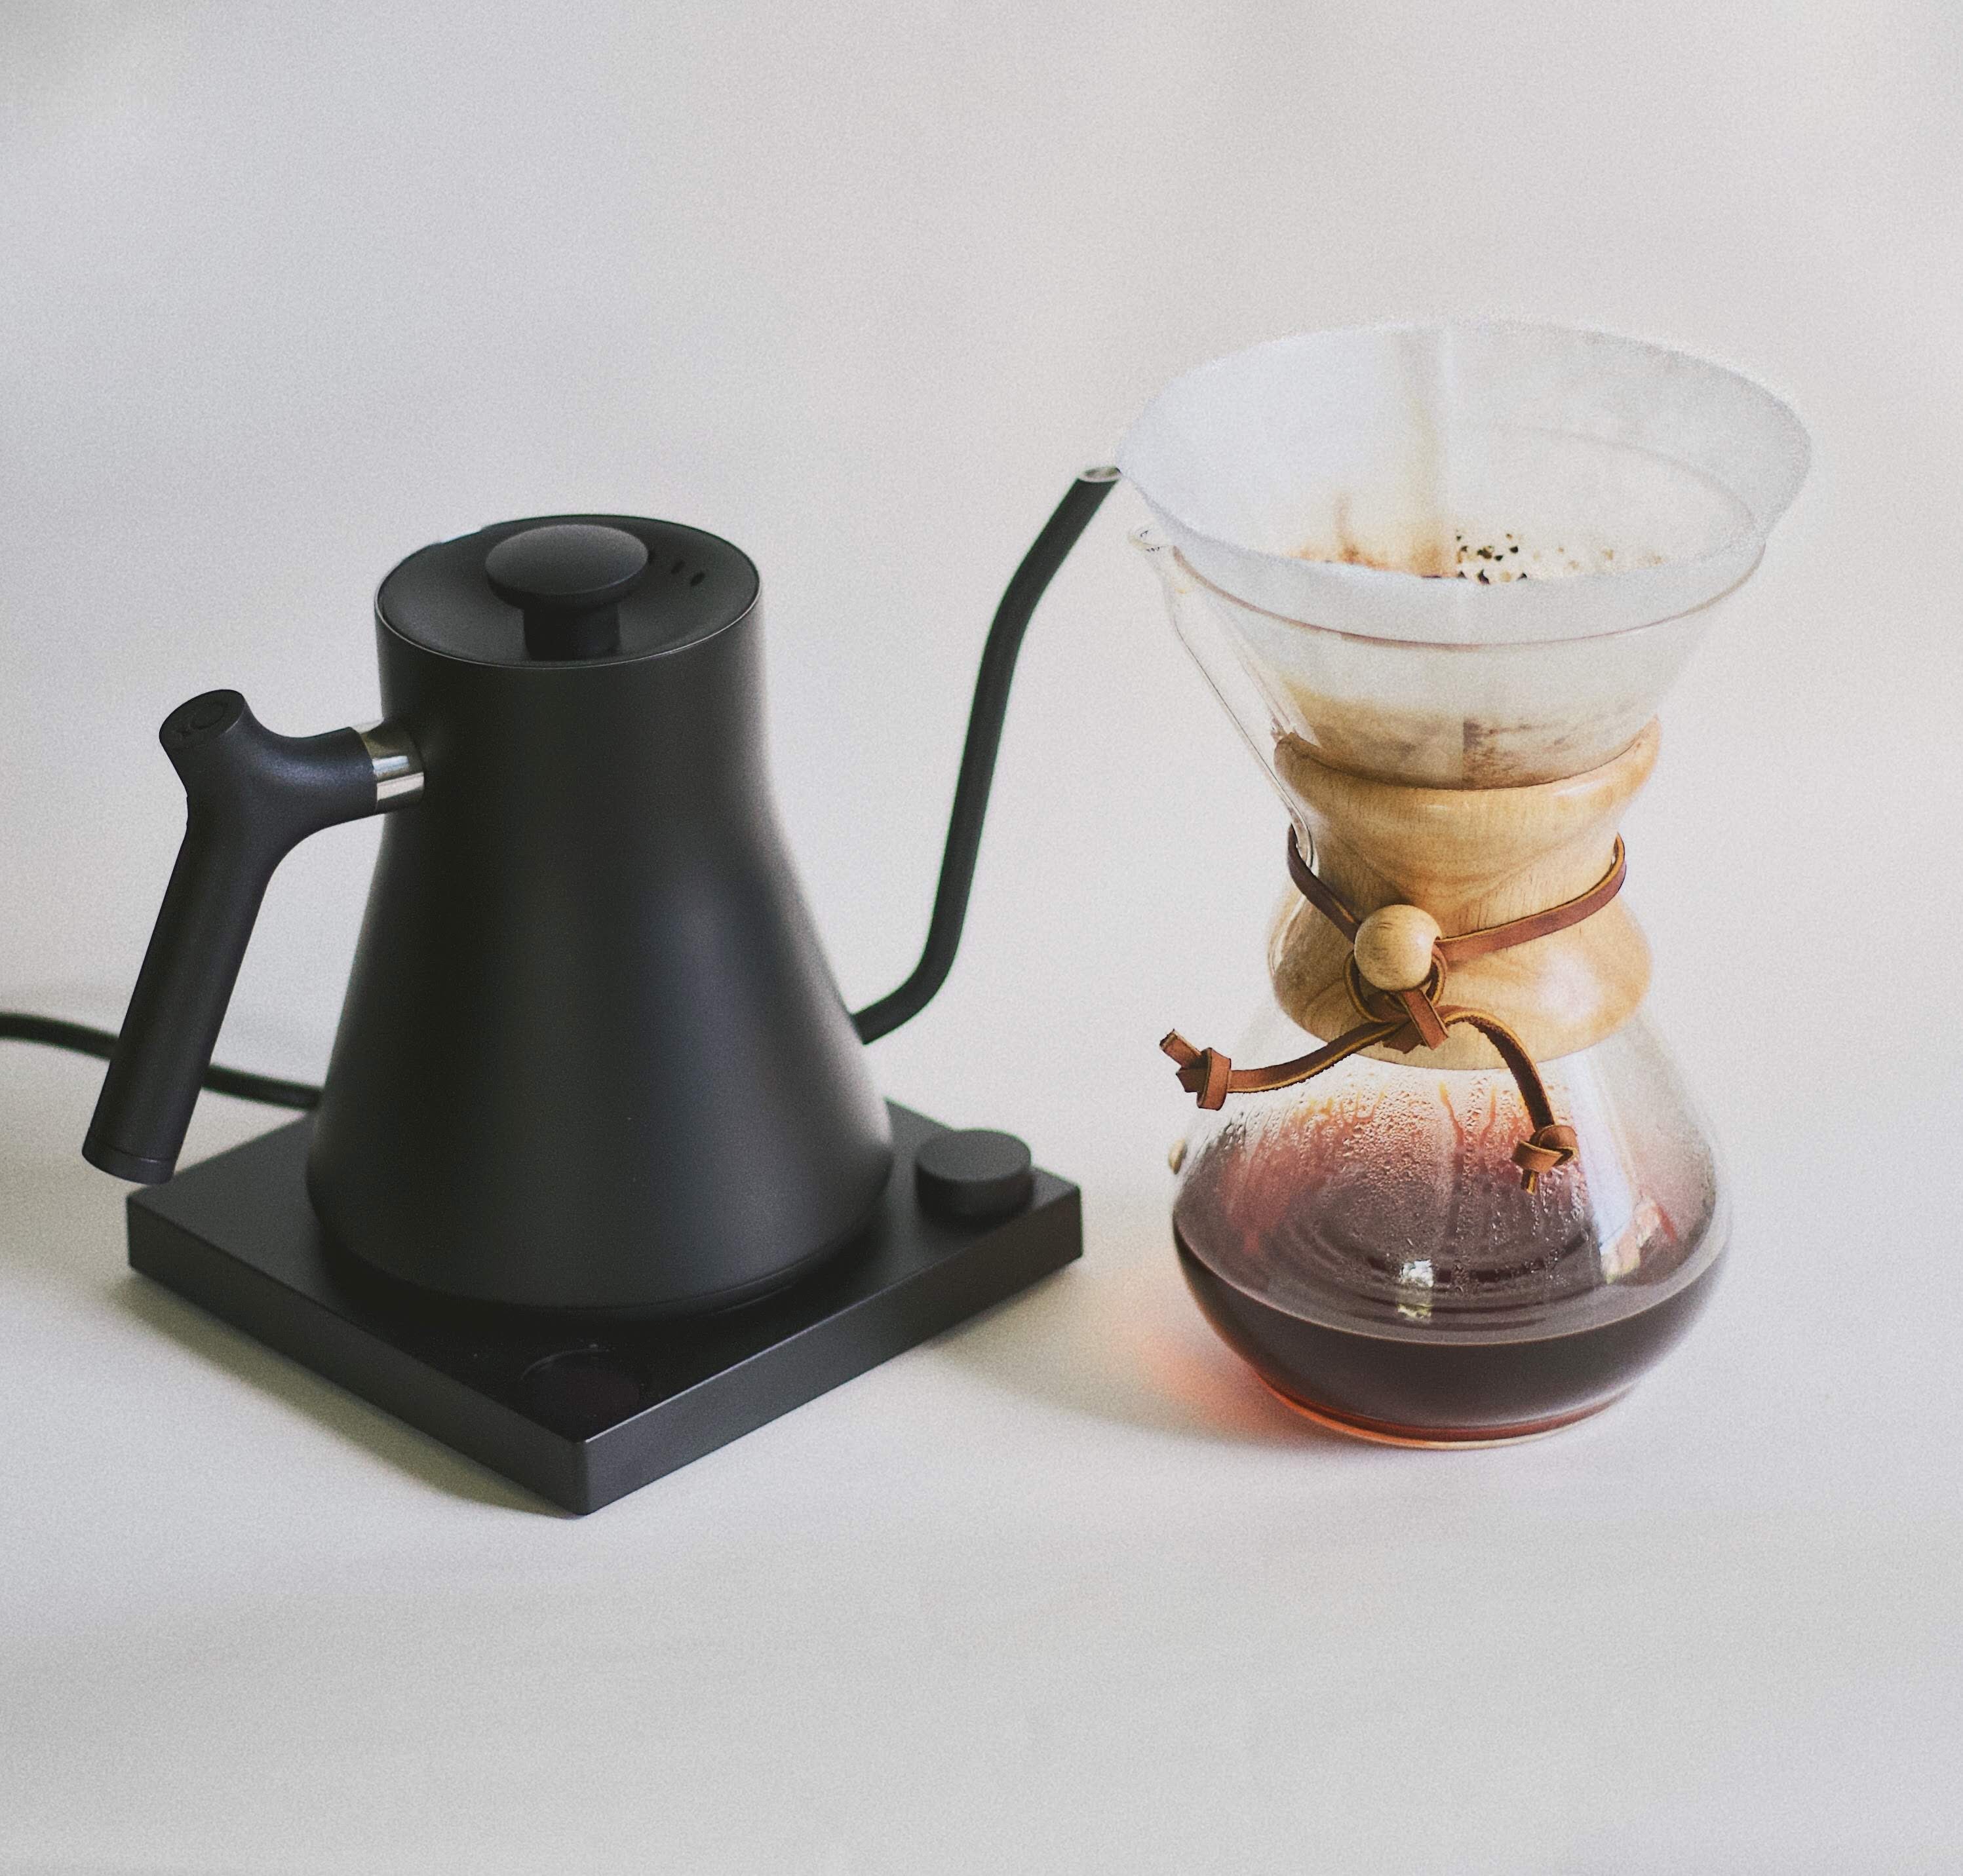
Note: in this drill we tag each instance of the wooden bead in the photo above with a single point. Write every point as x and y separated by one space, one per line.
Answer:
1394 946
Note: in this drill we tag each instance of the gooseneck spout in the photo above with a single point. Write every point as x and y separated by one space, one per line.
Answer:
252 796
1050 550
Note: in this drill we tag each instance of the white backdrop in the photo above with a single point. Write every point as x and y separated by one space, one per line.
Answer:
286 293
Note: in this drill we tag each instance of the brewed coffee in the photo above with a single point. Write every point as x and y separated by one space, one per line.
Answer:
1373 1252
1429 1392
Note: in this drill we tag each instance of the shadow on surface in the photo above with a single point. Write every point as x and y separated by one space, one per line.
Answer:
1117 1337
352 1419
62 1230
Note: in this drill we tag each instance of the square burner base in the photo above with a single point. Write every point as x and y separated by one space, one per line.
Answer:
580 1413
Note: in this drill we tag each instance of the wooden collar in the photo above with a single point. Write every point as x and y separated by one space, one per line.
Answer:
1414 1016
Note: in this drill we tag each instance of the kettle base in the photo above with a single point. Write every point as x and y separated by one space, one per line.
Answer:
583 1412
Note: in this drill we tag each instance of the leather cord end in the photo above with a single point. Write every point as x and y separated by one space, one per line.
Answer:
1203 1072
1551 1146
1424 1017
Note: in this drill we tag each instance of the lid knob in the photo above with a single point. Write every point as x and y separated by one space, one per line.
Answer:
567 578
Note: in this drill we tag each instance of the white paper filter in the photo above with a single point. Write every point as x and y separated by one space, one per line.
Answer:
1320 476
1467 554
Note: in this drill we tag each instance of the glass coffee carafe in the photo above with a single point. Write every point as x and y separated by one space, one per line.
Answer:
1450 1189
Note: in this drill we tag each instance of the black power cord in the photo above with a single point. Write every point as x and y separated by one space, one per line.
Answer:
17 1027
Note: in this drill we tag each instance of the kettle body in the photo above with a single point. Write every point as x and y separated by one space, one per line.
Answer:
591 1055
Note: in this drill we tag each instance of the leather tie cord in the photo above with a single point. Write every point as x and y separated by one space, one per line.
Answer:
1405 1019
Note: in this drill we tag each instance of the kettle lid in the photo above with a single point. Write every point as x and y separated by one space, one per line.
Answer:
560 588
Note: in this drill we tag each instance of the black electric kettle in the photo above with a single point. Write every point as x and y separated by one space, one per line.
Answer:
591 1056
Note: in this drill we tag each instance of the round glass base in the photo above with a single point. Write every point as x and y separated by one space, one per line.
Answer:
1442 1387
1365 1241
1379 1434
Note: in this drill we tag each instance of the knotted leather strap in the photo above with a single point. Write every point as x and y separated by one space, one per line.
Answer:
1407 1019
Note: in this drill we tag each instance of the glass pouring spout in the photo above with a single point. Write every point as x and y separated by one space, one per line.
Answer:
1464 556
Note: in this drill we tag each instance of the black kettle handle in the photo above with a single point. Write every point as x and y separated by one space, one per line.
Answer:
252 796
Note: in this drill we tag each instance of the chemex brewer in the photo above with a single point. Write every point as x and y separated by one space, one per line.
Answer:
1450 1189
598 1179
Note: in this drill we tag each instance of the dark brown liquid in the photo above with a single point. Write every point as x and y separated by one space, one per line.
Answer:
1439 1386
1374 1254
